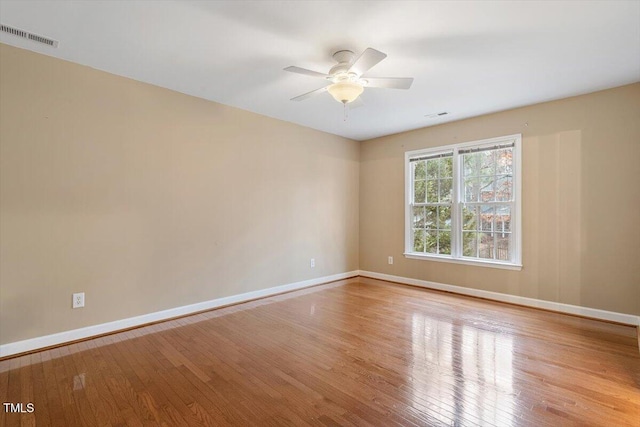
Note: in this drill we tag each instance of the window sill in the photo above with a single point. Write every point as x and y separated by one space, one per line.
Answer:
439 258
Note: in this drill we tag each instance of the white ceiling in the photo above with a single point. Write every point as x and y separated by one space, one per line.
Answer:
468 58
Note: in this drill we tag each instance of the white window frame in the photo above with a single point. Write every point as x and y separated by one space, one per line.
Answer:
458 191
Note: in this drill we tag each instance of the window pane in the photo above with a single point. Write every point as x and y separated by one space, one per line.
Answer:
503 252
469 243
431 242
432 168
485 245
504 161
470 165
418 217
444 218
503 186
487 162
471 189
444 242
445 190
431 217
486 218
432 191
420 191
486 189
470 218
420 170
503 219
418 240
446 167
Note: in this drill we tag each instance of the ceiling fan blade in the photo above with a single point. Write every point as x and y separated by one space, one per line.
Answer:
389 82
310 94
306 72
366 61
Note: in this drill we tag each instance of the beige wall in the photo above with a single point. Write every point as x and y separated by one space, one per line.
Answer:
581 201
147 199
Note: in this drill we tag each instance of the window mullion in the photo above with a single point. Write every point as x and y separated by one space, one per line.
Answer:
495 235
512 231
456 211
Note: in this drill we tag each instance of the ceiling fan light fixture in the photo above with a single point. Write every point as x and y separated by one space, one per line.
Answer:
346 80
345 91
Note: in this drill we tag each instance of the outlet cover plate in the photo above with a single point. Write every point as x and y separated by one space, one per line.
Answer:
78 300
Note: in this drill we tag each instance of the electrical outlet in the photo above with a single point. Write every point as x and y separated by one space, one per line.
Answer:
78 300
390 260
313 262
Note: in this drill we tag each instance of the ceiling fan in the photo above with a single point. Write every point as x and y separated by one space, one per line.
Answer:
346 81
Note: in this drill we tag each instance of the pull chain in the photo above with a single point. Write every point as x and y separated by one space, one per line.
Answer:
345 113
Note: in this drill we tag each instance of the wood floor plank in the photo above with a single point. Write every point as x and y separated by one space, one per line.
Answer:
359 352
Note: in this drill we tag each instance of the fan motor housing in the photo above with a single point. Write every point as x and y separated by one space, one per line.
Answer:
344 56
344 59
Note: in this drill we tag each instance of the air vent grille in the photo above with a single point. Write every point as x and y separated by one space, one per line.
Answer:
437 115
27 35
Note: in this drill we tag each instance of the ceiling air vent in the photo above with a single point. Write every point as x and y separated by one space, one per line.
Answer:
27 35
437 115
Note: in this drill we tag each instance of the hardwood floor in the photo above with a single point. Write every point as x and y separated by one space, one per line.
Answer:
355 352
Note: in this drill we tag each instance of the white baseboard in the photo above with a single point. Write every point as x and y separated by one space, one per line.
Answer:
104 328
594 313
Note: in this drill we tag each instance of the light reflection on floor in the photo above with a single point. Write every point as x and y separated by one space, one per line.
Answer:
475 387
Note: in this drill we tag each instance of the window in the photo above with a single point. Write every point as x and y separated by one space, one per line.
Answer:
463 203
